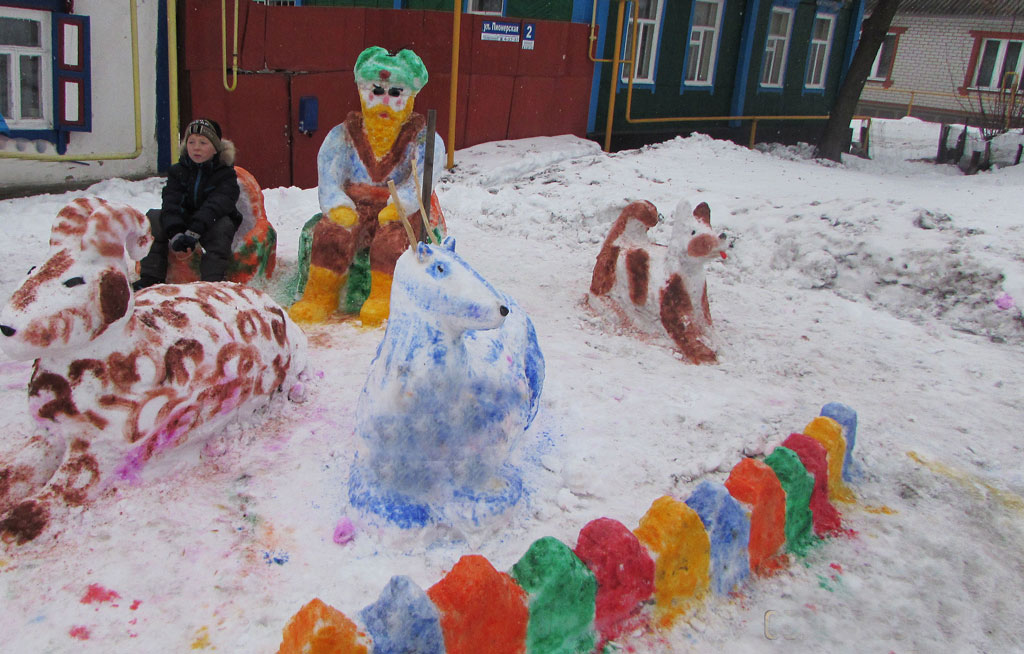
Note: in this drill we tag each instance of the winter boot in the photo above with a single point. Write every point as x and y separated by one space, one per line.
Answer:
320 299
376 308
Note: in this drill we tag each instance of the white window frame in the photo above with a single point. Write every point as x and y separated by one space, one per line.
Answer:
819 53
995 81
43 51
891 40
699 50
472 7
648 30
776 49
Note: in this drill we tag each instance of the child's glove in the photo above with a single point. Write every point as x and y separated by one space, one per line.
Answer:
184 241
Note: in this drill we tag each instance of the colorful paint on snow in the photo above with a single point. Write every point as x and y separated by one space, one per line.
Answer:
97 594
624 571
562 595
455 382
403 619
798 485
676 537
79 632
321 629
847 419
728 530
812 454
754 484
482 610
829 433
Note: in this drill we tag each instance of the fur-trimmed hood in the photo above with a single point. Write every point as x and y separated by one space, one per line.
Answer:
226 154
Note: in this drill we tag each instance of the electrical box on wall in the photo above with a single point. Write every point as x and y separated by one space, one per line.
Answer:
309 110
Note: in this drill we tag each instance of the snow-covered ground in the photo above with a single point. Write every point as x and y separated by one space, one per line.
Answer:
892 285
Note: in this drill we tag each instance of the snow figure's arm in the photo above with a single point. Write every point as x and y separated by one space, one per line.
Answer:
333 165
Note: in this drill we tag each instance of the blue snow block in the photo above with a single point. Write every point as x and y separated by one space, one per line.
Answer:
847 419
403 620
728 530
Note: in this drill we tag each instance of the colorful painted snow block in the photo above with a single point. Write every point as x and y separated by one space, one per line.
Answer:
674 533
812 454
403 620
321 629
798 485
455 383
728 529
482 610
562 595
755 484
829 433
847 419
253 249
624 572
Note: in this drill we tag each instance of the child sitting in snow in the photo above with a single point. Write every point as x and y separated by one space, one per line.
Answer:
199 207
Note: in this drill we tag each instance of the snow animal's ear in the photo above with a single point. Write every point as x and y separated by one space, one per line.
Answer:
423 251
448 243
703 213
682 212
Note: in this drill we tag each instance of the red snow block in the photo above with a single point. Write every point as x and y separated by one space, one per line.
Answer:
814 457
624 572
321 629
482 610
755 484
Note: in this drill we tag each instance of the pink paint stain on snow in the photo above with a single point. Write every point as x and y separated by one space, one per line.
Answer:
80 632
97 594
167 438
344 532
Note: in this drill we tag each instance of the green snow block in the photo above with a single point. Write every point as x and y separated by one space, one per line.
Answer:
799 485
562 594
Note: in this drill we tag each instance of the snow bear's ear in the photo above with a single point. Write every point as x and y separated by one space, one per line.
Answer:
448 243
423 251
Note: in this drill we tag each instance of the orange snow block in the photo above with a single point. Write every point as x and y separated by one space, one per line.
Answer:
754 483
829 433
675 536
321 629
482 610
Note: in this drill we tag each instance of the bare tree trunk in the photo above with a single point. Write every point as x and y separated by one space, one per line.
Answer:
872 35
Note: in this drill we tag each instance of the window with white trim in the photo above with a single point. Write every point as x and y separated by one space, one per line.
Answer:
492 7
999 65
648 23
773 68
881 69
25 69
821 47
703 44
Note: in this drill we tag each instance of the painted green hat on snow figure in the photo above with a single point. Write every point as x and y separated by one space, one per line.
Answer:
405 69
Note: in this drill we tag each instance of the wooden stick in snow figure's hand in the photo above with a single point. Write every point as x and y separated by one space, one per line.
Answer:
401 213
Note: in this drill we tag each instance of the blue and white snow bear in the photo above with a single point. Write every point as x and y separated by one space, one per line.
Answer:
455 381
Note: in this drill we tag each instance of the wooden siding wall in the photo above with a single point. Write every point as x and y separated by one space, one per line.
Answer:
666 98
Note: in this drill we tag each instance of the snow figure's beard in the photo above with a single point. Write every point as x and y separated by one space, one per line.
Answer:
382 124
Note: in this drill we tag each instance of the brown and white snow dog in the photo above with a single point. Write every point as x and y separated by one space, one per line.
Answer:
659 290
119 377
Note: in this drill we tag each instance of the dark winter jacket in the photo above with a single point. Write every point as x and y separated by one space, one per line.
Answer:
196 195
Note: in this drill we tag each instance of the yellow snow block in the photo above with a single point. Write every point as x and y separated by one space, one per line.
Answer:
679 544
829 433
